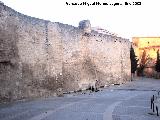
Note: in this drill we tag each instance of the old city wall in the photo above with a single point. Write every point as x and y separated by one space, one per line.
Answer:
40 58
30 61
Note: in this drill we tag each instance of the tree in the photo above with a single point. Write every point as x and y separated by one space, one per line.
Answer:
157 66
134 61
144 59
142 64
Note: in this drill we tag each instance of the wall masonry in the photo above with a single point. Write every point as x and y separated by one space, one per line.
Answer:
39 58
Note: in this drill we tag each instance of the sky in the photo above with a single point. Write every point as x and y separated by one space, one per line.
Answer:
125 20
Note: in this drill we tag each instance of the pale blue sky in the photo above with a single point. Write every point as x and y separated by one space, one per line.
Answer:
126 21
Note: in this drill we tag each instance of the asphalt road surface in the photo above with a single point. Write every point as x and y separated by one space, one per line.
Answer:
125 102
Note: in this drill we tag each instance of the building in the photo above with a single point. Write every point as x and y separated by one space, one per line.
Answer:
146 50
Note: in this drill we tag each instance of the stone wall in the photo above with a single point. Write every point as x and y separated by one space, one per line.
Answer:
40 58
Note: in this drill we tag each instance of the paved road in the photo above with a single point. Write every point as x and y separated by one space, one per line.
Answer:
125 102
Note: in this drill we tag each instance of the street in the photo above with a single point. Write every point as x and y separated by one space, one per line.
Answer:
130 101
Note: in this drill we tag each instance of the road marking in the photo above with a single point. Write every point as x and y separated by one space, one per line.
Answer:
50 112
107 115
